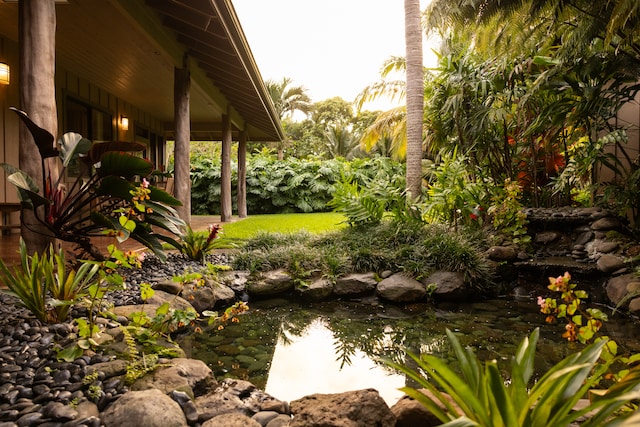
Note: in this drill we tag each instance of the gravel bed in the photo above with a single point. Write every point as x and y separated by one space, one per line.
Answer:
37 389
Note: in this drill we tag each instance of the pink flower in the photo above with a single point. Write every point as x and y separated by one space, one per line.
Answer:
145 183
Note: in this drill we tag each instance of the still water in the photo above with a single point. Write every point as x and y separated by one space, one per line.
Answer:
291 350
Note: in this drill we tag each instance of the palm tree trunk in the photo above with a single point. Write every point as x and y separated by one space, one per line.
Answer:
37 27
415 98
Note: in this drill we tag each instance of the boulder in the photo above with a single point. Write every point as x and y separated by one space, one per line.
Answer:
409 412
235 280
237 396
231 420
401 288
608 263
355 284
448 285
319 289
360 408
187 375
149 408
207 296
618 287
271 283
606 224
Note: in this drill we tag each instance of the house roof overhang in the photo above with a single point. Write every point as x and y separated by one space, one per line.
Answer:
132 47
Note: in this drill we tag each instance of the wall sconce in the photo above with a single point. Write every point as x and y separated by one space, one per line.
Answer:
124 123
5 74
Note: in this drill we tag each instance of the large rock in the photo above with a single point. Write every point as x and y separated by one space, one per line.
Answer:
234 279
355 284
448 285
411 413
187 375
231 420
237 396
271 283
319 289
619 287
148 408
401 288
608 263
208 295
361 408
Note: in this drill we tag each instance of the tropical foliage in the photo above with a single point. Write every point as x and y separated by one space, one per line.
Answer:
291 185
110 193
478 395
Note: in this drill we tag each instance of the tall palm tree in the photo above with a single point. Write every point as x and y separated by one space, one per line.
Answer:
414 97
287 98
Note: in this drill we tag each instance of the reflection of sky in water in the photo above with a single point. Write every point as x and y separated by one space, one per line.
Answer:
307 364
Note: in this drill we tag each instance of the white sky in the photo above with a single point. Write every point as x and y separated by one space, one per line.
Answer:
330 47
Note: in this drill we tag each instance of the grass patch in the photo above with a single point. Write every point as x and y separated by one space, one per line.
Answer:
235 233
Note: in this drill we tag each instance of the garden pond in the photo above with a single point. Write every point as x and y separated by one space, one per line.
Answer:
292 349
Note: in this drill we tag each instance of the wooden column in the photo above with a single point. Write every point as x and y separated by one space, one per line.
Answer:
226 209
242 175
182 177
37 34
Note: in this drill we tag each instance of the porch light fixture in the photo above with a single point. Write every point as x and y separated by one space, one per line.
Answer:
5 74
124 123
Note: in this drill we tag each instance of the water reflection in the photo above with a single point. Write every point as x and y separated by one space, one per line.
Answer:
291 350
305 364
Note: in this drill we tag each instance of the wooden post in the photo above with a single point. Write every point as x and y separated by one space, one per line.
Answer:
226 209
242 175
37 33
182 177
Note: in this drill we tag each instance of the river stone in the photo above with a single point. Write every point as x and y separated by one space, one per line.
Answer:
187 375
608 263
449 285
502 253
605 246
169 286
319 289
149 408
401 288
360 408
231 420
271 283
109 369
354 284
616 287
606 224
546 237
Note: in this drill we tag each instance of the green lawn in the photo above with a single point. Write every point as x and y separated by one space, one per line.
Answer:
280 223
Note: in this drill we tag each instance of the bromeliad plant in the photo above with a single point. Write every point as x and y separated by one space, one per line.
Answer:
111 194
45 285
479 396
197 244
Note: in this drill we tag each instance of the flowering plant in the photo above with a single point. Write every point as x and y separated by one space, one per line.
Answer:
582 323
197 244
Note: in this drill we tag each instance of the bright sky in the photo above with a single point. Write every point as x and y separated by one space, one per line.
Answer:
330 47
